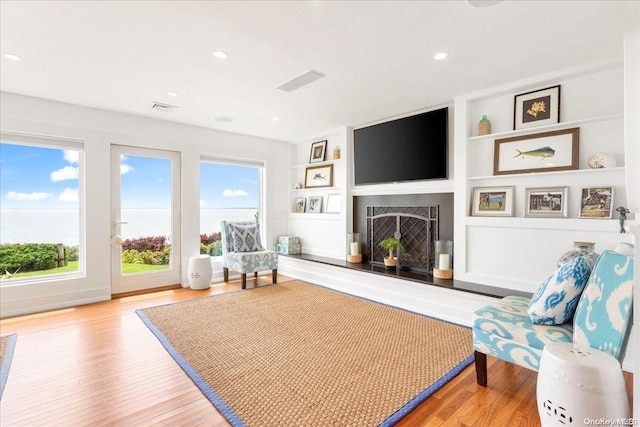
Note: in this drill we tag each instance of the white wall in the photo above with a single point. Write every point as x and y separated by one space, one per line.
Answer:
100 129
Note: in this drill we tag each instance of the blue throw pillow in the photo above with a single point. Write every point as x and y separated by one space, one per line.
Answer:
246 238
555 301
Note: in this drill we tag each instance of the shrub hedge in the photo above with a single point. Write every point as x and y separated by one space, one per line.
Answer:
15 257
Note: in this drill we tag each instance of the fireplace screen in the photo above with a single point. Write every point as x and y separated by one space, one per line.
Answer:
415 226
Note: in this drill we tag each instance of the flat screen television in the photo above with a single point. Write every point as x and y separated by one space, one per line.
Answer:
407 149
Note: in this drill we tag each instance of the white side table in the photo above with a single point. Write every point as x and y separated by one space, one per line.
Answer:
576 383
200 272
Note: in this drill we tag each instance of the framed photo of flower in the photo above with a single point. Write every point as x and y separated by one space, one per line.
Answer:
299 204
492 201
318 151
537 108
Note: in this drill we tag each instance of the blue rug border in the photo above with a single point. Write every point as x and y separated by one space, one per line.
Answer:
6 363
226 411
236 421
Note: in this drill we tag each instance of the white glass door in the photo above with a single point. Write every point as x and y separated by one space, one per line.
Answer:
145 215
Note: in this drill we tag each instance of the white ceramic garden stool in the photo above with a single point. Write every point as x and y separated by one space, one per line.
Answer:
579 383
199 272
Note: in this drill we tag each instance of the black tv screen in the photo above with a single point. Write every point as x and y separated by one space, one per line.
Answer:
406 149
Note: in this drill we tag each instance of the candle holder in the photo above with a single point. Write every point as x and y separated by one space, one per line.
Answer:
443 259
353 248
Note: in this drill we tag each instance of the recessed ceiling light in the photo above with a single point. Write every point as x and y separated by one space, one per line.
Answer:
275 118
221 54
170 93
483 3
440 55
12 56
224 119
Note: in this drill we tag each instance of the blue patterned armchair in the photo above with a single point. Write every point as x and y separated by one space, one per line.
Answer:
505 329
242 251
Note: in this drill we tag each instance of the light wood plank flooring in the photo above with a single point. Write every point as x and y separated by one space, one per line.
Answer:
99 365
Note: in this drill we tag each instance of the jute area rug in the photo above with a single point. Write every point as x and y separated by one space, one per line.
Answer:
296 354
7 344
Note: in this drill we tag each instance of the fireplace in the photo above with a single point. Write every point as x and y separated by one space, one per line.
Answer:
416 219
415 226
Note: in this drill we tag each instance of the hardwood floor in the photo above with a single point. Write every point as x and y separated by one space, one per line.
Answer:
99 365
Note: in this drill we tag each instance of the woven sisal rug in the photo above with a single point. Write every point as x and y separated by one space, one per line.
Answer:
296 354
7 344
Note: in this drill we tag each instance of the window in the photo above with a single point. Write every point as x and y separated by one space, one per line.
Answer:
41 216
229 190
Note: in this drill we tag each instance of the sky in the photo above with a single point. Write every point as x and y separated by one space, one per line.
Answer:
47 178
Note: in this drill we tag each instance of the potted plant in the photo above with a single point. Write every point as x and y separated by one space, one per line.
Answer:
391 244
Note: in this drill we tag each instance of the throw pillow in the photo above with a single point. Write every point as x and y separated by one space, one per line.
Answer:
246 238
555 301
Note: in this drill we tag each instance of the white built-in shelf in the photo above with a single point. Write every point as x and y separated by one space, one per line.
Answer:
310 165
314 189
563 224
557 126
324 216
543 172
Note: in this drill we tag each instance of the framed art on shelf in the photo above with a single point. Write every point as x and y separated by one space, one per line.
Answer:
546 202
537 108
596 202
315 204
540 152
333 203
298 205
318 176
492 201
318 151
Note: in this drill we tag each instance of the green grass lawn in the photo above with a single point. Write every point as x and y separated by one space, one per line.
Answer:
72 267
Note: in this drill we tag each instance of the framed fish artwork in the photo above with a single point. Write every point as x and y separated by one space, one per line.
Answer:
537 108
318 176
540 152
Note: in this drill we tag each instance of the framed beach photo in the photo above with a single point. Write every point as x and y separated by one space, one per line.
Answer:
537 108
546 202
596 202
333 203
318 176
315 204
318 151
492 201
539 152
299 204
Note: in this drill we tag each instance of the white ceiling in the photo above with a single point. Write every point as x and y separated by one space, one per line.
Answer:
377 55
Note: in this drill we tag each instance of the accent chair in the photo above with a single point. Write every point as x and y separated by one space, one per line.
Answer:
505 329
242 251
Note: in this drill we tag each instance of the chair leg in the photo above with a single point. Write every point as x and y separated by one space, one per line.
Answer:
481 368
225 273
274 275
244 280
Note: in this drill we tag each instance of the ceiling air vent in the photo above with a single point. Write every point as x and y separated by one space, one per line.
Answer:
159 106
301 80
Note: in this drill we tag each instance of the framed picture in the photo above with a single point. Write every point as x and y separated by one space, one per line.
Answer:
537 108
492 201
596 202
315 204
318 176
298 205
538 152
546 202
333 203
318 151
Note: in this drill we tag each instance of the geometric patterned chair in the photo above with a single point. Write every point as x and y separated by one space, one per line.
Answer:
242 251
602 320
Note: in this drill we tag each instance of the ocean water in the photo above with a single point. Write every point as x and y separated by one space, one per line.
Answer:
61 225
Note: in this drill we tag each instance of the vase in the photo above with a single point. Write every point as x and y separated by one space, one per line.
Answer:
579 249
484 127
